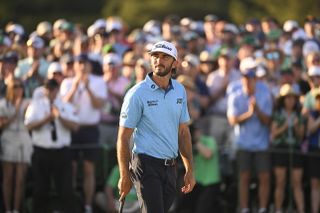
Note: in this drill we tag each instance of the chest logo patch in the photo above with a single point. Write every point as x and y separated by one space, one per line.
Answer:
152 103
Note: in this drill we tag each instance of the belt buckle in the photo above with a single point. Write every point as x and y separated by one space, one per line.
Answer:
169 162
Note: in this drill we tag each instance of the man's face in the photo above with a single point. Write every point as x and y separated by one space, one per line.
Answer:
81 67
162 63
248 84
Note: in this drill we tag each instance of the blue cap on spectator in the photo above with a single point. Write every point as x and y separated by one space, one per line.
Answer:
81 57
11 57
35 42
250 73
248 67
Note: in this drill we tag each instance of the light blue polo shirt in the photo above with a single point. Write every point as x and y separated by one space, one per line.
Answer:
252 134
155 115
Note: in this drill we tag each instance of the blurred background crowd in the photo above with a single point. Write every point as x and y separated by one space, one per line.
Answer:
253 97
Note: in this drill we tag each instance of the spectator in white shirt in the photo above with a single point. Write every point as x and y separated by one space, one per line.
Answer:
86 92
50 121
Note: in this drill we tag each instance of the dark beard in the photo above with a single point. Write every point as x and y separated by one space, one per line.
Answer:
165 72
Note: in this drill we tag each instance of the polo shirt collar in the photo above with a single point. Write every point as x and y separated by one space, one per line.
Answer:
153 86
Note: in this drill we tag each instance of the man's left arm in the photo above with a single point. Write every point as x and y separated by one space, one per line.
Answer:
185 148
97 102
264 112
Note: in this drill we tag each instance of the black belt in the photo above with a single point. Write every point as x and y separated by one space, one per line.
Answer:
165 162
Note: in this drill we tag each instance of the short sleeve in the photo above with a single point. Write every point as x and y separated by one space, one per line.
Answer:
30 115
65 86
231 106
131 110
185 117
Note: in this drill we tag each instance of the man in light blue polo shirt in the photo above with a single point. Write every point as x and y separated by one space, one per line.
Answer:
249 111
155 113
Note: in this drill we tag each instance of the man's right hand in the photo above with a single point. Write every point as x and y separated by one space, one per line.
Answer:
124 186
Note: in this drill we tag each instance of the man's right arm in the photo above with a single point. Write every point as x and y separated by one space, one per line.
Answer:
123 155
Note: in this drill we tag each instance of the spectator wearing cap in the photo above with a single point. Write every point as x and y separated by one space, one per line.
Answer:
192 42
207 64
144 112
13 30
33 69
137 40
51 121
209 27
115 30
168 23
44 30
128 63
16 145
229 32
253 26
190 67
185 24
54 72
218 126
5 44
313 158
287 132
97 41
249 111
81 45
268 24
314 82
86 92
194 106
117 85
152 30
273 59
310 26
312 59
66 31
296 55
290 26
56 28
301 79
141 69
56 50
246 49
309 47
9 64
66 62
286 77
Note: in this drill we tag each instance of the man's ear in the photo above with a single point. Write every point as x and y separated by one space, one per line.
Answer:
175 64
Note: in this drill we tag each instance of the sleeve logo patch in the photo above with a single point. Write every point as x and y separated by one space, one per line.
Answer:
179 100
124 115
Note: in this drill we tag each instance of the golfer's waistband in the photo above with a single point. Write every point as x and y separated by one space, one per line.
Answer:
165 162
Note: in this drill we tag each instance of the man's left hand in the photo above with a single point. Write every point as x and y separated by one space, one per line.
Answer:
189 182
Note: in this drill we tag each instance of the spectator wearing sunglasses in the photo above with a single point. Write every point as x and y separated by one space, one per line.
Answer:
15 143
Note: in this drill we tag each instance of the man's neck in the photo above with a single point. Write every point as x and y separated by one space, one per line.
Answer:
162 82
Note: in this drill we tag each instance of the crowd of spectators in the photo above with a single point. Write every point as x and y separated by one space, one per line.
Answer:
253 97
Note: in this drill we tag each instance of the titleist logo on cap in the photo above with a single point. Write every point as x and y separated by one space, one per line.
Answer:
163 46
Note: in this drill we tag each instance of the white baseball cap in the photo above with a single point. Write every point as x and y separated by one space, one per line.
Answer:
54 67
248 63
314 71
309 47
36 42
165 47
15 28
112 58
289 25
